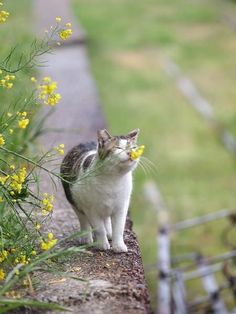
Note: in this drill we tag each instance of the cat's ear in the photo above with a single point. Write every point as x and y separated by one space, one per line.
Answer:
133 135
103 136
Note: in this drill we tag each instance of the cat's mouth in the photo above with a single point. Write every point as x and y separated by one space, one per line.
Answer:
128 160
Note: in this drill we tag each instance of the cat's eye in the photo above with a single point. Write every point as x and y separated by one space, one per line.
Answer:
118 147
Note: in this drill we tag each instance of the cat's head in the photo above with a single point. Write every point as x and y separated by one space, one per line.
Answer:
116 151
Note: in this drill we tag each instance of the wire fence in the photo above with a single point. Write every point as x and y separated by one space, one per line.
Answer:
172 294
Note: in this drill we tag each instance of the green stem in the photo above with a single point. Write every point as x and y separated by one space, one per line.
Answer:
32 162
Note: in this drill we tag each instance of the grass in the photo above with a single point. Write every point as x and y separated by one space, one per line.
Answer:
127 43
18 42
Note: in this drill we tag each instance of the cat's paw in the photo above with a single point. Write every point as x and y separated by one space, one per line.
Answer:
109 236
86 239
119 247
103 246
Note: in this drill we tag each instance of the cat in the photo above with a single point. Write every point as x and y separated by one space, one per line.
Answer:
98 185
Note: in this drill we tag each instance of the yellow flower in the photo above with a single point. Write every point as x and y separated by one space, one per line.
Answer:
3 179
3 16
47 204
13 294
9 114
47 244
2 274
53 99
3 255
65 34
22 114
25 282
50 88
5 82
23 123
9 77
58 19
47 92
37 226
60 149
68 24
9 85
33 253
33 79
136 153
17 181
23 259
1 199
2 140
47 79
50 236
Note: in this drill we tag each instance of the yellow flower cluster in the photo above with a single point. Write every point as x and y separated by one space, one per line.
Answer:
58 19
2 140
2 274
3 255
23 121
37 226
48 243
47 92
3 15
136 153
13 294
22 259
6 81
3 179
17 181
66 32
60 149
47 204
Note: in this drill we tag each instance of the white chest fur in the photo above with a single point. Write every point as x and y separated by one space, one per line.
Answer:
103 195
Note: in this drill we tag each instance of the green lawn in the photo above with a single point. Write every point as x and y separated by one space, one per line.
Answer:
16 33
127 42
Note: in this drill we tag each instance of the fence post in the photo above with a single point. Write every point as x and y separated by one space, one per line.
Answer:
163 247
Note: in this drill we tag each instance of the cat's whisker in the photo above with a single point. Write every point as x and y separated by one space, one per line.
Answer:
147 168
148 165
150 162
143 168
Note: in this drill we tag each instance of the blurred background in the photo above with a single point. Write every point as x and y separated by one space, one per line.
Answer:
131 45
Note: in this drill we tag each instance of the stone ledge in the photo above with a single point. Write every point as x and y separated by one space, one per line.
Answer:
114 283
111 282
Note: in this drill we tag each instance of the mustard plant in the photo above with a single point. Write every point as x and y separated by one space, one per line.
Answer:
25 242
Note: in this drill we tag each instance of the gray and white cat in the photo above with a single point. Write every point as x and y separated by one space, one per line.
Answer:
100 176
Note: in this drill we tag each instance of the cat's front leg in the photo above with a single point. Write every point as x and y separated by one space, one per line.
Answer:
108 227
118 220
85 228
100 233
